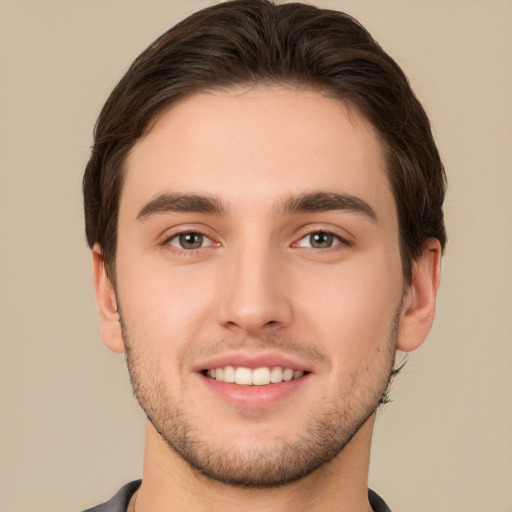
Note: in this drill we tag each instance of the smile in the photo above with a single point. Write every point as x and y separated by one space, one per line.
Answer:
253 377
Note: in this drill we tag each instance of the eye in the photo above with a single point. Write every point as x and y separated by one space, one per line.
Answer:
319 240
189 240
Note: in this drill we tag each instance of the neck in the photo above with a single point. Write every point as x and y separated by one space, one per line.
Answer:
170 484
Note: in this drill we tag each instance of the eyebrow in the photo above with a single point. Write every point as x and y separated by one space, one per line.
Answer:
187 203
326 201
318 201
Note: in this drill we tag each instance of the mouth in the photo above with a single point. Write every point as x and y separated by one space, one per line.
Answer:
262 376
254 380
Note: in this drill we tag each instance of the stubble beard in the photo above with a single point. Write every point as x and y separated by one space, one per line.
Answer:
328 429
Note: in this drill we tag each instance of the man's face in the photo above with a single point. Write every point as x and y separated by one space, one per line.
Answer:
258 240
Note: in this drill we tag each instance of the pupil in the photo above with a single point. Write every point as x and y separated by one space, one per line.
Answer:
321 240
191 240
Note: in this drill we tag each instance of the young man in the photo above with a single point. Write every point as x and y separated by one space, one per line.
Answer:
264 207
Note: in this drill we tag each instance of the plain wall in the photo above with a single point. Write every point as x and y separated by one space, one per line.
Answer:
70 431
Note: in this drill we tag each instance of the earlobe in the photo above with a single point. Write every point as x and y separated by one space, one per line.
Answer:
420 300
111 332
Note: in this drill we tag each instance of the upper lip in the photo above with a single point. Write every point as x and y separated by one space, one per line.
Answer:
253 360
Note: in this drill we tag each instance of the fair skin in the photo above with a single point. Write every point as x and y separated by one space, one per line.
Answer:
257 230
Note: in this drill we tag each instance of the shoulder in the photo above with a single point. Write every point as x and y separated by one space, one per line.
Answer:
120 501
377 503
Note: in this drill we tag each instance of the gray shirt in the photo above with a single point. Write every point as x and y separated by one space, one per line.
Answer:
119 503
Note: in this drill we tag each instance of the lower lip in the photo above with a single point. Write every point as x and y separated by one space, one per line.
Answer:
254 397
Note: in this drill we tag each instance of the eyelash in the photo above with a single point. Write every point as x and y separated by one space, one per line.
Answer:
338 242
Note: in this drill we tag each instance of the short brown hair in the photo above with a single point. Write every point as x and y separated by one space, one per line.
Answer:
254 42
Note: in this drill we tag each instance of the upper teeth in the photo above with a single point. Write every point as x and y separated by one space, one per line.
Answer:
255 377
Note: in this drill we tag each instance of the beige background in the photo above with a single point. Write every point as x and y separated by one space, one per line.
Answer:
70 431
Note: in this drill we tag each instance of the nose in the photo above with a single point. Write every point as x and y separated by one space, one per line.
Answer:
254 293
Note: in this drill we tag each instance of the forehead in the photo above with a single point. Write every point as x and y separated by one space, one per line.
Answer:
256 147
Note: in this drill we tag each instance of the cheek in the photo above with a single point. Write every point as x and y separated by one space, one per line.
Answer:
163 306
352 310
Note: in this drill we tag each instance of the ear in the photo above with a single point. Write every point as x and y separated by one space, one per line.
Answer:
111 332
420 299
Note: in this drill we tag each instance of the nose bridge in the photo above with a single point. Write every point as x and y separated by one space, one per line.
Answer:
254 297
